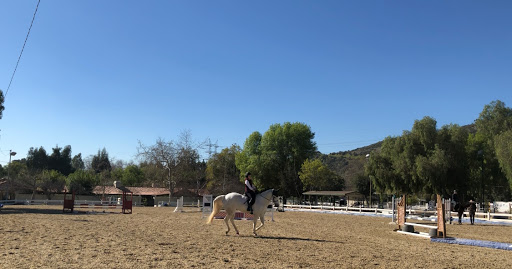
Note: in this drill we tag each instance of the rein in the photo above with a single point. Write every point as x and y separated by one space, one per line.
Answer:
270 200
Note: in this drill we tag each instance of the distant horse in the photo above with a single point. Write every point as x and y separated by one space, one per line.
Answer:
235 201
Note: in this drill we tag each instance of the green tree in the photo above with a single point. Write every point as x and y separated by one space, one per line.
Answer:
222 173
433 170
37 159
154 175
101 162
317 176
362 184
82 182
249 159
19 178
132 176
380 168
51 182
77 163
3 172
275 158
494 119
452 141
503 145
60 160
424 160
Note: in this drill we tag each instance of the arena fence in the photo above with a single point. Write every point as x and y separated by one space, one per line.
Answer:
389 212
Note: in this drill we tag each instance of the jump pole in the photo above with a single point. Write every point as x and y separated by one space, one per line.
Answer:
441 224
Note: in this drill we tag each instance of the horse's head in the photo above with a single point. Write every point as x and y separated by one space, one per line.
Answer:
275 199
275 192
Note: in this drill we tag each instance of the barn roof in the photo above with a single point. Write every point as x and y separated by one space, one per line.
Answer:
111 190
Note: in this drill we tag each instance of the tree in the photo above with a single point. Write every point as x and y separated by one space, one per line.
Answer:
154 175
452 141
37 162
37 159
314 175
132 176
188 164
51 182
19 178
503 145
275 158
101 162
77 163
249 159
163 154
222 173
362 183
380 168
60 160
494 119
3 172
82 181
424 160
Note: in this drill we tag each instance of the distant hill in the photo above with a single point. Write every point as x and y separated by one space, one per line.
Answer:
349 164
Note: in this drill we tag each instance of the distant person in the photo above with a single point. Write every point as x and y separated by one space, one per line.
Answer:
460 211
455 200
472 210
250 191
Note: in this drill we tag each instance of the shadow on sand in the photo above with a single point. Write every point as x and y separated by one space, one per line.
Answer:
20 210
297 239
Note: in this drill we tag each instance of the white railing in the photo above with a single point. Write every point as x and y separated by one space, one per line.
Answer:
481 215
59 202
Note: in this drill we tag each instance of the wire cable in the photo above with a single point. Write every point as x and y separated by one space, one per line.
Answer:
19 58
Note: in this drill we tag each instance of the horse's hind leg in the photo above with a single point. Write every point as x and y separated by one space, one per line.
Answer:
226 220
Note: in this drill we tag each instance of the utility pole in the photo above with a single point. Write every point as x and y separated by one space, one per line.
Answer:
11 153
210 146
367 157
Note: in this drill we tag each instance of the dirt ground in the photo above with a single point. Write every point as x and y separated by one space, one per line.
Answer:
43 237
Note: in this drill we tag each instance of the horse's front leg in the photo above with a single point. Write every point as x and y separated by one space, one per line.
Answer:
254 220
262 219
232 219
226 220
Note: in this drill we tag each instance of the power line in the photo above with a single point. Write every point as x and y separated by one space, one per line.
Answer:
19 58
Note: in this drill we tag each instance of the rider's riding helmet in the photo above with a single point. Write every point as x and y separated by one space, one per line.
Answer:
247 174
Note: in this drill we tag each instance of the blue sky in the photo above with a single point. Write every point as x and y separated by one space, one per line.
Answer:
108 74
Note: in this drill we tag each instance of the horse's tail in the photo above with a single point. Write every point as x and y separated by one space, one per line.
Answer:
217 205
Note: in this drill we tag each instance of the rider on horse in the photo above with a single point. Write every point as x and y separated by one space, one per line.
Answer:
250 191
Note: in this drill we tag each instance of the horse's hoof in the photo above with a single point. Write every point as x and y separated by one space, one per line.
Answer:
237 234
227 233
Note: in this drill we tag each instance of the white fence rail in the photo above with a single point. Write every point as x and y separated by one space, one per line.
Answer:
59 202
481 215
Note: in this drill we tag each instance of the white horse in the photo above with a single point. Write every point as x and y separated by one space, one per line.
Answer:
235 201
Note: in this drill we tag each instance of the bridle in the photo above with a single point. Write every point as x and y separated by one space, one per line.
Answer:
271 199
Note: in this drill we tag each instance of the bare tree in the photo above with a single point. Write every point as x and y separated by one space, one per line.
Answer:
181 161
189 166
163 154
